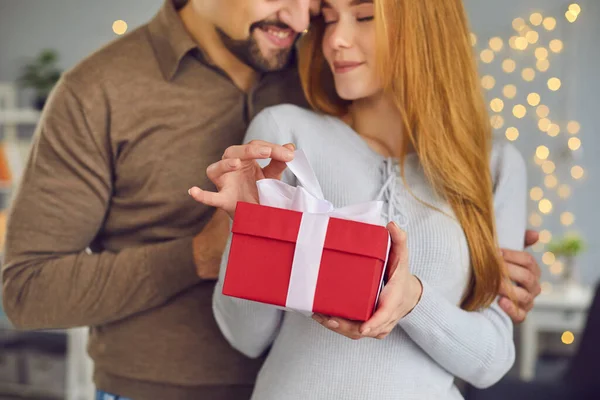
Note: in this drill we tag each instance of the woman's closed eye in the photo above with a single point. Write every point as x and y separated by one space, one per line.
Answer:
332 20
330 16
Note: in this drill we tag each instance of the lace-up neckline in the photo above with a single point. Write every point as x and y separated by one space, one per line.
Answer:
389 193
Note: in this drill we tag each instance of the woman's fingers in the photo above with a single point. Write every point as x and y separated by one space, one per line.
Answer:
399 250
215 171
342 326
275 168
257 150
382 316
211 199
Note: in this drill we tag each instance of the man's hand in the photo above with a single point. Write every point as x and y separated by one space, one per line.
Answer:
524 283
209 245
399 296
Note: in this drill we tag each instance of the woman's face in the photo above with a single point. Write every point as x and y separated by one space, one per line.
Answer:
349 47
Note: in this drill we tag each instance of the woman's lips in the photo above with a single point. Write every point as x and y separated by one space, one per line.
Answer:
341 67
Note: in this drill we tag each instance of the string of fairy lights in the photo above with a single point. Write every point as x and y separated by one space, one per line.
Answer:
526 42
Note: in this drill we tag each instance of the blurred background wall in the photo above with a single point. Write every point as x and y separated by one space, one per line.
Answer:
75 28
538 61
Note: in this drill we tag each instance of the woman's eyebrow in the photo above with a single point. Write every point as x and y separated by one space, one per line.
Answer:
326 3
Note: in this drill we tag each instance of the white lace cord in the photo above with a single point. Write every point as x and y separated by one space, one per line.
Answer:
388 194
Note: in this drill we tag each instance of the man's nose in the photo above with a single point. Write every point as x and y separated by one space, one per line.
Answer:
296 14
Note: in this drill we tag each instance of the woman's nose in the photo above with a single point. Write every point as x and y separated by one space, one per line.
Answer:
341 35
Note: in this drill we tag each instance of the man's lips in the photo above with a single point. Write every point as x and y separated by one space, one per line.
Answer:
341 67
280 37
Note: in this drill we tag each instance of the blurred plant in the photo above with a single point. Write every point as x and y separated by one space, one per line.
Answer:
41 75
570 245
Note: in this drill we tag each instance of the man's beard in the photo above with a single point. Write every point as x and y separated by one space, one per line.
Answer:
248 51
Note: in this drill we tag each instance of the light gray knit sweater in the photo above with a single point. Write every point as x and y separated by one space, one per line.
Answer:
437 340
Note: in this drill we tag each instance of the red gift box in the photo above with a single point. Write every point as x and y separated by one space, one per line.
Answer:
262 252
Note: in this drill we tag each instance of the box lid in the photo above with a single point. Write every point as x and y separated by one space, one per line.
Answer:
342 235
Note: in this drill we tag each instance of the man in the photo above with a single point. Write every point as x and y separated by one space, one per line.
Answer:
102 232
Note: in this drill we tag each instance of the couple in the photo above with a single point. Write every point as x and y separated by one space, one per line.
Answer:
102 234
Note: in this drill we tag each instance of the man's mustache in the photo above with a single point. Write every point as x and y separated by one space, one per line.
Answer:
265 23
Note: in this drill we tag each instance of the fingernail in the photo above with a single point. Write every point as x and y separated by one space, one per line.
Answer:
366 331
288 154
332 324
264 151
190 192
500 253
232 163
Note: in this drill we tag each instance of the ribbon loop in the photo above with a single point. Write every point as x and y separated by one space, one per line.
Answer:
305 174
308 197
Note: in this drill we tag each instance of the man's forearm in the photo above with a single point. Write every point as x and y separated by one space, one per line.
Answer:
50 292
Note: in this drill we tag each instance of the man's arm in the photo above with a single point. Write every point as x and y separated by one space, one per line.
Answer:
522 267
49 280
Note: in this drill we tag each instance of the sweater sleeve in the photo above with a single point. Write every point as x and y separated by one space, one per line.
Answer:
250 327
49 279
476 346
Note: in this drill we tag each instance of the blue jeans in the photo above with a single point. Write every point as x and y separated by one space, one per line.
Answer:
100 395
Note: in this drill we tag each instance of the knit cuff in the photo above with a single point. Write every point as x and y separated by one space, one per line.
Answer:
426 314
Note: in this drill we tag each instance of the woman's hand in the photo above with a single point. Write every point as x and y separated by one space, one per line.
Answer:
398 297
236 174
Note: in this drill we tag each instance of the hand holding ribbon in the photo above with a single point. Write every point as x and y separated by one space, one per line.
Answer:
236 174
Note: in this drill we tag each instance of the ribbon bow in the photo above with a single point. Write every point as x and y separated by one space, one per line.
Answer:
308 198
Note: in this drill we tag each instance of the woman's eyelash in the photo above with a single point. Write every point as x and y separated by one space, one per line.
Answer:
363 19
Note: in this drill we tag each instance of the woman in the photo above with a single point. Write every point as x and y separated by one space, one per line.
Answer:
406 124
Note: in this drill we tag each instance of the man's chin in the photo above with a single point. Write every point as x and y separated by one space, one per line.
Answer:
267 55
273 60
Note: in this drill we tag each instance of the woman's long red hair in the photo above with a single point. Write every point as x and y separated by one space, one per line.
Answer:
427 66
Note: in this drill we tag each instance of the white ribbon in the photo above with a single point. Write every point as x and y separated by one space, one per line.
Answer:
308 198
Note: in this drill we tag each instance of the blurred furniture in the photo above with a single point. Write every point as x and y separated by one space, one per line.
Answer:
10 114
80 367
32 365
11 117
31 374
11 160
8 99
15 116
579 382
558 311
